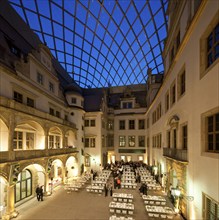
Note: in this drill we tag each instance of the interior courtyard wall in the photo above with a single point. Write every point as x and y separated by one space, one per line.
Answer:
201 96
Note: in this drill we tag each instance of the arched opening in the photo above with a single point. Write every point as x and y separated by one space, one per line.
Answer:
28 136
71 167
70 139
3 195
31 176
56 173
55 138
3 136
23 187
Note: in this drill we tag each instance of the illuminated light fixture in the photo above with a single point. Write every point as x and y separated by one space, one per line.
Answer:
177 194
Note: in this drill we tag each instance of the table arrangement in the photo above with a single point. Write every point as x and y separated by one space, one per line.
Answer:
122 197
160 211
114 217
154 200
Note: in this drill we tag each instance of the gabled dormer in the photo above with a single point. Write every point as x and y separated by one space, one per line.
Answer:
45 56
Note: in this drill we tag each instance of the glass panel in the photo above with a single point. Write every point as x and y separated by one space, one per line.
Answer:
210 41
210 142
29 141
23 189
116 21
217 142
18 194
210 124
217 122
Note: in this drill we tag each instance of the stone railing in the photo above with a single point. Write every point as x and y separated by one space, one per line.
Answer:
10 156
176 154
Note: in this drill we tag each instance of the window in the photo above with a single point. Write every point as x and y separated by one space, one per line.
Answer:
54 141
92 123
18 140
73 100
66 117
213 46
18 97
23 187
141 124
174 139
213 133
131 140
127 105
184 137
82 103
168 139
23 140
122 141
173 94
87 161
15 51
90 142
141 158
122 124
58 114
29 141
51 87
110 124
40 78
30 102
86 143
177 40
141 141
211 208
167 101
131 124
51 111
86 123
159 111
182 83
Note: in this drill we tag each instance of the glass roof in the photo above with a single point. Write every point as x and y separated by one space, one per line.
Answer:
100 43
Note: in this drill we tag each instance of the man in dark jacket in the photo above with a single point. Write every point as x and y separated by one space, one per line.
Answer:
38 193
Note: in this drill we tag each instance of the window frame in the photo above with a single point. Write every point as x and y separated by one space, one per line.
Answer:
121 124
141 124
131 124
40 78
122 143
131 139
139 140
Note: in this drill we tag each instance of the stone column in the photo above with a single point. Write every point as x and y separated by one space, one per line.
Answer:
11 137
10 210
48 189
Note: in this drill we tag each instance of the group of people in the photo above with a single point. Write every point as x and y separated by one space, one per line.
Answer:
39 192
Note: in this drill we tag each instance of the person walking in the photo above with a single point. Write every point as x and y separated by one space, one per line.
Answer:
41 193
38 193
111 189
106 190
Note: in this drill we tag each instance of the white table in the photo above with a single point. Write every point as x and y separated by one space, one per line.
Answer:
122 197
121 208
160 211
154 200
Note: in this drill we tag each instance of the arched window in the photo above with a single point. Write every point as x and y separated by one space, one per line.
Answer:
23 187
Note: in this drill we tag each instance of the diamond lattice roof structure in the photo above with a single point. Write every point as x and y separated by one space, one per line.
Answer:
100 43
